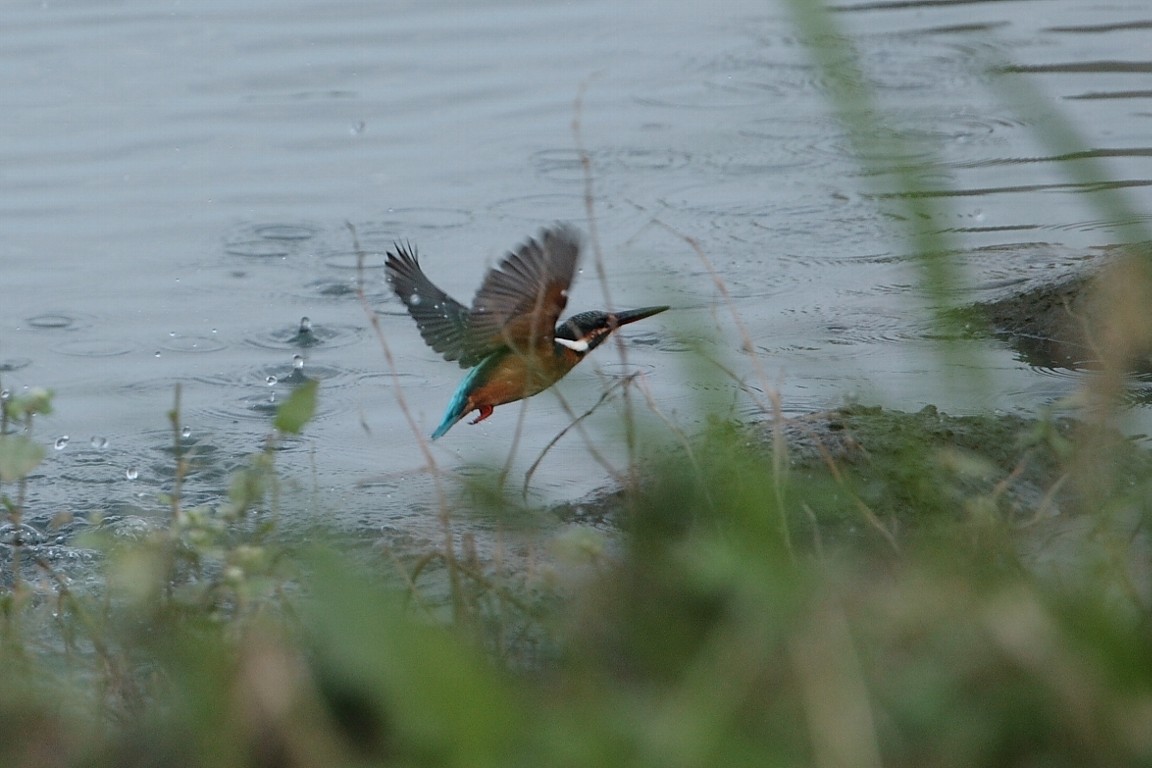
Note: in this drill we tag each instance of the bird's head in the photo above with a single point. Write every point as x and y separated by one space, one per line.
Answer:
584 332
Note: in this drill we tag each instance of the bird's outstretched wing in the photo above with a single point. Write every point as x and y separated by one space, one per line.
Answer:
521 299
443 321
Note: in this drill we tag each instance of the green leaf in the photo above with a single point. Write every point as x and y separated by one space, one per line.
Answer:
18 456
37 400
297 410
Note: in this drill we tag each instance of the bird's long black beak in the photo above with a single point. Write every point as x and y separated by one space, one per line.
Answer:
632 315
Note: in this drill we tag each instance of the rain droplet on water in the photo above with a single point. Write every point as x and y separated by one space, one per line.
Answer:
186 432
131 473
271 380
297 362
61 442
305 324
98 442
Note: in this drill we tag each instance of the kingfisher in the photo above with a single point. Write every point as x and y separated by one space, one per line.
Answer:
509 337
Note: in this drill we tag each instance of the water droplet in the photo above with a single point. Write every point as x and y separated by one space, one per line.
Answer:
5 394
271 380
214 331
414 300
98 442
305 324
61 442
131 473
157 354
297 362
172 334
272 398
186 432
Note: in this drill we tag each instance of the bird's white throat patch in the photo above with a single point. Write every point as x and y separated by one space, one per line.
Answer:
575 346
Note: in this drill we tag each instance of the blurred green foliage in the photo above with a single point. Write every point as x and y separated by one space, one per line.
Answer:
753 617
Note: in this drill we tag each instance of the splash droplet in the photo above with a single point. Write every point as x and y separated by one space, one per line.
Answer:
297 362
186 432
98 442
131 473
271 380
305 324
61 442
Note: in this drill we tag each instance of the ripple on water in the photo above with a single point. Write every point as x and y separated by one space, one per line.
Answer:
270 240
618 371
551 206
286 231
1093 225
854 326
306 335
95 348
328 288
195 344
257 393
12 364
996 271
352 259
58 321
566 165
731 197
731 91
403 219
258 249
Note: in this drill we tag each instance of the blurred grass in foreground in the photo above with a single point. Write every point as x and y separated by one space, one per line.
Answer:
709 640
895 608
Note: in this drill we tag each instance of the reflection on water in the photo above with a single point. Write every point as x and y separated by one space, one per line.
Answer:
188 179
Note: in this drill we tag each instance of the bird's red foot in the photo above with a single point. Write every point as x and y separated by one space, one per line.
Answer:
485 412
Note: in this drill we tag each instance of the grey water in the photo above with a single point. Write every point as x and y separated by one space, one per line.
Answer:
180 183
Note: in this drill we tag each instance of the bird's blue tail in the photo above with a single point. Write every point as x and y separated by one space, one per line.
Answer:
458 406
454 415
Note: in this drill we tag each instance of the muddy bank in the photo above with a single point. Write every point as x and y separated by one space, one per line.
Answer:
886 473
1077 318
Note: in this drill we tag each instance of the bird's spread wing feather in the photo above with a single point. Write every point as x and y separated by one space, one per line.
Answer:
521 299
443 321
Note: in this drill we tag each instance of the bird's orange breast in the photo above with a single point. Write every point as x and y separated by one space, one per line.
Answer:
515 376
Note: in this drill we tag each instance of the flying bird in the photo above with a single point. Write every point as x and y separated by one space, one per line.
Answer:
509 337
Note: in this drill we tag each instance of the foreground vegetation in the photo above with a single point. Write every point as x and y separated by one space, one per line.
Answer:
881 602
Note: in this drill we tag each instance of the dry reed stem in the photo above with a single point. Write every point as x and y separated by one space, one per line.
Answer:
423 443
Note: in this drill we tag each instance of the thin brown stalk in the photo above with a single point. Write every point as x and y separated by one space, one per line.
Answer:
575 423
421 441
